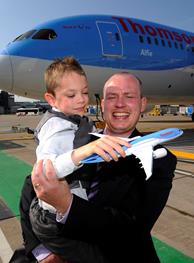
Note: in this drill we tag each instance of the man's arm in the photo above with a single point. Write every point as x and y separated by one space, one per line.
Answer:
101 223
30 240
157 190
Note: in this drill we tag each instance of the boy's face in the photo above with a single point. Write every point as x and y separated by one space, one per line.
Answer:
71 97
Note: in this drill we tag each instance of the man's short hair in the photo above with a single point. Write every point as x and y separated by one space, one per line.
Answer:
127 73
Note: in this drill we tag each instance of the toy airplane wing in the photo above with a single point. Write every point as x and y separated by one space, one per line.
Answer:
125 139
142 148
145 155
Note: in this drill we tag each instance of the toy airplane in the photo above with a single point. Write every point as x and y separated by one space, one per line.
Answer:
143 148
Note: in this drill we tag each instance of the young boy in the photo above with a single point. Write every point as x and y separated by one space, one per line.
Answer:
60 133
64 127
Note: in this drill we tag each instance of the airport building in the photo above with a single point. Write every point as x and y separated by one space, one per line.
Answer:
9 105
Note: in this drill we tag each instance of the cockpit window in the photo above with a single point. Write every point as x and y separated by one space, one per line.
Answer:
25 35
45 34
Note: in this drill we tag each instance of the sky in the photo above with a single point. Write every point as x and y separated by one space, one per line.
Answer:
19 16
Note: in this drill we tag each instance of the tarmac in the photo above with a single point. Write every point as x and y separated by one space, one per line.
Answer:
173 233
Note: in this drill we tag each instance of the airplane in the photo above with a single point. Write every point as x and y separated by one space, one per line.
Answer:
161 56
143 148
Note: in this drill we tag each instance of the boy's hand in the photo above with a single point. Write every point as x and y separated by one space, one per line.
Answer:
106 144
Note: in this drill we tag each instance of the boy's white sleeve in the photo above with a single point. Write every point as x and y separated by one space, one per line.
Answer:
56 143
64 165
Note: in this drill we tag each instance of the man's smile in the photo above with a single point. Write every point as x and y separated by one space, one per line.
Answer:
121 115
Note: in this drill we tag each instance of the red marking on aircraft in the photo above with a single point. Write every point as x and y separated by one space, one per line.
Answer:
154 31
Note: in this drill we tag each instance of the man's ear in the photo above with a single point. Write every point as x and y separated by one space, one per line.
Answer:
102 104
50 99
143 104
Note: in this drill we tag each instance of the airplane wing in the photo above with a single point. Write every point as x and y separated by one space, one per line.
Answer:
145 155
125 139
142 148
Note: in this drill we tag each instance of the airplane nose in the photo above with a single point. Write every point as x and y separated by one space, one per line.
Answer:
6 72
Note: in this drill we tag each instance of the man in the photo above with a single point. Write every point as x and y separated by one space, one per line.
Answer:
108 221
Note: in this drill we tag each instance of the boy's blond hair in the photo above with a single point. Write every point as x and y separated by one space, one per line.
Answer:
57 69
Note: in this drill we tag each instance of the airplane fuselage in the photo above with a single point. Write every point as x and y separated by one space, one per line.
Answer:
161 56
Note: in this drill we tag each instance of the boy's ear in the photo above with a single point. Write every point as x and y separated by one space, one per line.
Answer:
50 99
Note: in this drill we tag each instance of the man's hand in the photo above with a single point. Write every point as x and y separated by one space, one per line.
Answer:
49 189
52 258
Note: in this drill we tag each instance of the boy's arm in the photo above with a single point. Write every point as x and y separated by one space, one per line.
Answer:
56 143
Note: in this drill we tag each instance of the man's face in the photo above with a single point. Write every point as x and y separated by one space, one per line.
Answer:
122 104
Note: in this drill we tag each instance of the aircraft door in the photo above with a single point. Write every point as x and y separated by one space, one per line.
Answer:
111 40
